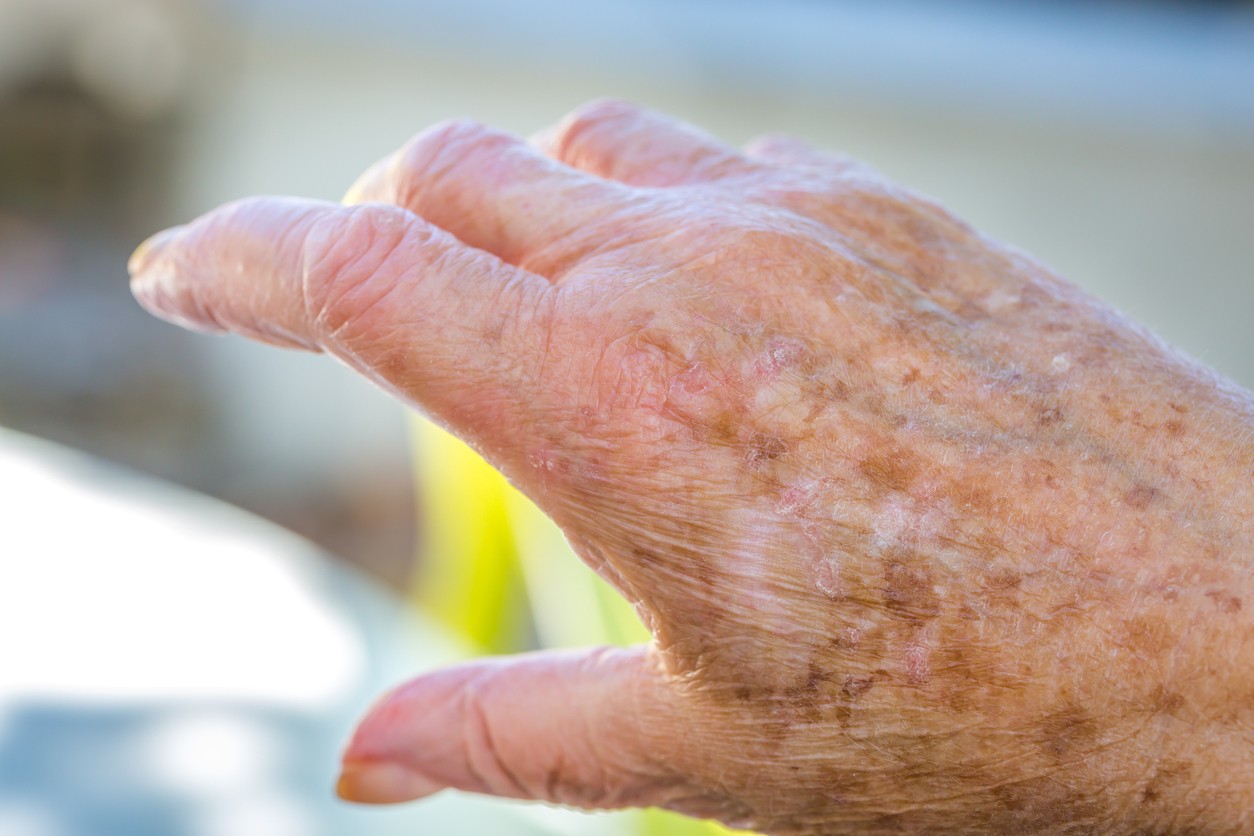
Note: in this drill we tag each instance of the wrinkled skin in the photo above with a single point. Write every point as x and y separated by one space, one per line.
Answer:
928 539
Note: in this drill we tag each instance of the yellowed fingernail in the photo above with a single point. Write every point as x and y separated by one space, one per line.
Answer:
146 254
383 782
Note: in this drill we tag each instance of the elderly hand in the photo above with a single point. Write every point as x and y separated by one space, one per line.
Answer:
926 537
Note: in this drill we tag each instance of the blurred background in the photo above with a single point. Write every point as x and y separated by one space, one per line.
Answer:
1114 140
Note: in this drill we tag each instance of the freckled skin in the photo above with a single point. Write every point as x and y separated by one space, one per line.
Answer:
929 540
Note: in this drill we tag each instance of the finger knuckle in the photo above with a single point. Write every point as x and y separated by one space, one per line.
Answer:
351 266
589 120
445 147
774 143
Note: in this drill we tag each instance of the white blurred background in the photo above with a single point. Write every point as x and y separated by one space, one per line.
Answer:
1114 140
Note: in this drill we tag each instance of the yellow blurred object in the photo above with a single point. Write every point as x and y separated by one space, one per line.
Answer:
493 568
468 577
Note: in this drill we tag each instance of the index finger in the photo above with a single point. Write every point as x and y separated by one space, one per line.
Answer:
451 329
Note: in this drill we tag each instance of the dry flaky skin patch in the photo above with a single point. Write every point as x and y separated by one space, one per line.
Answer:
929 540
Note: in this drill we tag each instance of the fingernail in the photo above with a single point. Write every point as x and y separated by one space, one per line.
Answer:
147 253
383 782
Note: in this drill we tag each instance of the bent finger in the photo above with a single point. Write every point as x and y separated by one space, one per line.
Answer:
622 141
784 149
493 191
448 327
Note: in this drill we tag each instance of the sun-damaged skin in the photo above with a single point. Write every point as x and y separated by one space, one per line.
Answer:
928 539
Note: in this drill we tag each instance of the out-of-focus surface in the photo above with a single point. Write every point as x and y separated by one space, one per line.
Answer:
1114 140
172 665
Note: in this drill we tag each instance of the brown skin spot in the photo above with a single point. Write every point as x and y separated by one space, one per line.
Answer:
855 686
890 823
1165 701
968 669
553 778
763 448
1049 417
1003 587
821 392
395 365
893 469
970 497
830 390
722 429
910 376
908 590
648 557
1226 601
1174 427
1168 773
1148 637
954 660
1067 733
1140 496
705 573
689 561
814 680
493 332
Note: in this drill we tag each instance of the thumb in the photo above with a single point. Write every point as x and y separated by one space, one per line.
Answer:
570 727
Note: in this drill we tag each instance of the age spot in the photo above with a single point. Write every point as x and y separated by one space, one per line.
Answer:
826 391
1049 416
764 448
813 682
1170 773
892 469
1067 732
1140 496
1226 601
1003 587
855 686
1165 701
909 592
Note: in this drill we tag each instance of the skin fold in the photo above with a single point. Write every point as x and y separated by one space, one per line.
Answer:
928 539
